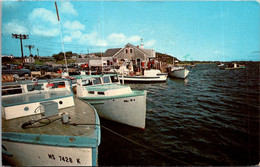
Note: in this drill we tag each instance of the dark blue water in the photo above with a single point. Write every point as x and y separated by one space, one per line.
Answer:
210 118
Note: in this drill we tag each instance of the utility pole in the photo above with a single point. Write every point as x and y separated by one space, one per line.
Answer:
30 47
21 37
38 53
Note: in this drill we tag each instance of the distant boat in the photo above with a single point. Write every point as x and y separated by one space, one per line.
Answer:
179 72
193 65
221 64
235 66
36 128
114 102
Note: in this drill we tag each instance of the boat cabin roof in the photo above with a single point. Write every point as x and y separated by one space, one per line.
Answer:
27 82
25 98
92 76
106 87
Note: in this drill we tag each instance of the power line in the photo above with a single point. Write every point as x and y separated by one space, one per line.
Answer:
30 47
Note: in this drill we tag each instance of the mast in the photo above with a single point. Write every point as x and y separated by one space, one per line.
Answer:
100 47
61 39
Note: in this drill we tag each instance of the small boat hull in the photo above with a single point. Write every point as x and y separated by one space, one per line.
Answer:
25 154
181 73
126 110
235 68
159 78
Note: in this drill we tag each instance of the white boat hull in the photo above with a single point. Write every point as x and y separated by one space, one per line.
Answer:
24 154
182 73
158 78
127 110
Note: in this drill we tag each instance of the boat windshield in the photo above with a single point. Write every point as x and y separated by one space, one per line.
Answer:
96 81
35 87
86 82
106 79
10 90
114 78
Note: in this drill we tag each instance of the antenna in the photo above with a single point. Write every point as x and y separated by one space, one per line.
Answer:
100 47
61 38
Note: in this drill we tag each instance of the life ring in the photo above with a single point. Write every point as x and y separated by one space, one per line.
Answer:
131 73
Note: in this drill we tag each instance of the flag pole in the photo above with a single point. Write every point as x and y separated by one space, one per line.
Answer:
61 38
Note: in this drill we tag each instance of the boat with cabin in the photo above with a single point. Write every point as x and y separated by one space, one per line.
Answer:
39 125
235 66
140 76
147 76
179 72
113 101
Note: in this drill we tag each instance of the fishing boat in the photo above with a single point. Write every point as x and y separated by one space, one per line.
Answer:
148 76
179 72
235 66
39 125
114 102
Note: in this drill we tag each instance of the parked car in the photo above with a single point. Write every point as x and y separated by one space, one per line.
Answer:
14 69
46 68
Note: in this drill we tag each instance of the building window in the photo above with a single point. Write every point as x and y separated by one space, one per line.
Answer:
131 50
126 50
138 62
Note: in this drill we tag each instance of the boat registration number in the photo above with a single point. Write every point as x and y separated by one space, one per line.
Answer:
64 159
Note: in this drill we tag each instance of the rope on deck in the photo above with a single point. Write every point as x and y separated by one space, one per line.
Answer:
134 142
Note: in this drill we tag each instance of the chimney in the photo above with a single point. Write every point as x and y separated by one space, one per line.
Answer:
141 45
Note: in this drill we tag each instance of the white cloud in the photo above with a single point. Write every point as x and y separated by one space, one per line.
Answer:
92 39
134 38
44 31
73 35
42 14
76 34
16 27
43 22
122 39
150 43
75 25
67 7
67 39
117 39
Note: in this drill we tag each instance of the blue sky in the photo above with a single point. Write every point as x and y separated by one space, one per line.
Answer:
188 30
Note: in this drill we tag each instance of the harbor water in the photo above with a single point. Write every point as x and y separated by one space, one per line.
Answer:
209 118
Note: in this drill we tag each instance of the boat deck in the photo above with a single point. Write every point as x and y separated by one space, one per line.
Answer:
81 113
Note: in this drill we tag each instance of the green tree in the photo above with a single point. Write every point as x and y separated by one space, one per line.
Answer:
68 54
58 57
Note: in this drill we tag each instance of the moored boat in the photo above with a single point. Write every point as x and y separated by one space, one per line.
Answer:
235 66
151 75
220 64
114 102
179 72
37 128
